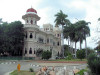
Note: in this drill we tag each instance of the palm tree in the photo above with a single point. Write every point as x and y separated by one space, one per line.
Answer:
86 31
83 32
70 32
61 20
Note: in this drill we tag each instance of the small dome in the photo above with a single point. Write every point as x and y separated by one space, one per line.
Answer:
31 10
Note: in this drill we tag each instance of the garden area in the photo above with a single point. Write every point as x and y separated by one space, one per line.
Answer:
22 73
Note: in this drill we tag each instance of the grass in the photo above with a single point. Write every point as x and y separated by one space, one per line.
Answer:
69 60
81 72
22 73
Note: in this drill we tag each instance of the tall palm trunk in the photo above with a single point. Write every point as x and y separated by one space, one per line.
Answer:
75 49
80 45
62 42
68 43
86 47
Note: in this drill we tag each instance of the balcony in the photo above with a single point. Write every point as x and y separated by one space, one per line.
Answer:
31 26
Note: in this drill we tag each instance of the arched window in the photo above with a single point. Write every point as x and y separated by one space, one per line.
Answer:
58 43
26 35
31 36
47 40
58 54
58 35
27 21
30 51
31 21
34 52
25 51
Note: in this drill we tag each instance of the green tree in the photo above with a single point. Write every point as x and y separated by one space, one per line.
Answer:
83 32
46 54
80 54
11 38
16 35
71 32
61 20
94 64
4 45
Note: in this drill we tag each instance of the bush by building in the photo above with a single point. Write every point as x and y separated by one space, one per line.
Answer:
94 64
80 54
46 54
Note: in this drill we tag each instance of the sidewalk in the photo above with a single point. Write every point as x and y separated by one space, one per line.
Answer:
8 73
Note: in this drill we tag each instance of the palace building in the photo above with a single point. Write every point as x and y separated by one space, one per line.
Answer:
39 39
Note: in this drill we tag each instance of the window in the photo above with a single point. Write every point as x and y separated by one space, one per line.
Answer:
27 21
58 35
40 40
51 40
47 40
58 54
35 22
25 51
35 35
58 43
31 36
31 21
26 35
34 52
30 51
51 49
53 43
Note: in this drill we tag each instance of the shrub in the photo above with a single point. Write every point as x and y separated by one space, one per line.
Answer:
81 72
46 54
94 64
31 70
80 54
69 57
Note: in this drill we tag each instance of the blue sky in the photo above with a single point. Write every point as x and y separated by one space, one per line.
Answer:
89 10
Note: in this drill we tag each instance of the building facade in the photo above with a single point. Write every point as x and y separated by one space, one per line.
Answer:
39 39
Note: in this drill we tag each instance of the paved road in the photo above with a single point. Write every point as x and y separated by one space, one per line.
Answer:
8 66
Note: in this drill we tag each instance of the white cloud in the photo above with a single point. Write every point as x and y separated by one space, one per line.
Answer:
11 10
43 13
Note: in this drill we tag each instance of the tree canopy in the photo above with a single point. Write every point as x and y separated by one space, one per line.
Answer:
11 38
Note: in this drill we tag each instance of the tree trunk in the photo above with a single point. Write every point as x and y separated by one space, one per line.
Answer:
86 47
68 43
80 45
62 42
75 49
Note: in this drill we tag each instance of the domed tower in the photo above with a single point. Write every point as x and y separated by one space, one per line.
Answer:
31 17
30 29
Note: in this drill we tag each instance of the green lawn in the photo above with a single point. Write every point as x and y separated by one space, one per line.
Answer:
69 60
22 73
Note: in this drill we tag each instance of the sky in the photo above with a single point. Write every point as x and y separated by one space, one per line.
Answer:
88 10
